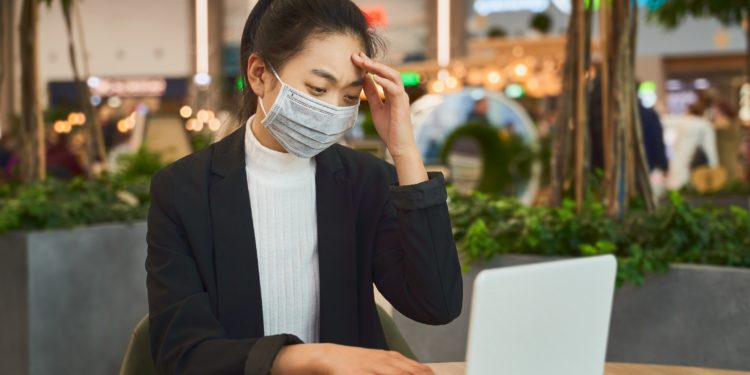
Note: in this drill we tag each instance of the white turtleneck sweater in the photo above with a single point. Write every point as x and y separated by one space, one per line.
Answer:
282 200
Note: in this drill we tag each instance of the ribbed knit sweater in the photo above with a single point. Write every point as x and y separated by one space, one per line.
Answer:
282 201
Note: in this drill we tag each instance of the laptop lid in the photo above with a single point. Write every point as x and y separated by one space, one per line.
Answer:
544 318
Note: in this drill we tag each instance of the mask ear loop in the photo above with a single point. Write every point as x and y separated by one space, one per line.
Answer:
261 99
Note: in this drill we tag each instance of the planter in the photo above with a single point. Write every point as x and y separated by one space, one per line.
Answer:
70 298
719 200
692 315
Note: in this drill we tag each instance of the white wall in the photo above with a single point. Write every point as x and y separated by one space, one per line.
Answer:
123 38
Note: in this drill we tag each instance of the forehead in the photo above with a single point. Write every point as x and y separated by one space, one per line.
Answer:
331 51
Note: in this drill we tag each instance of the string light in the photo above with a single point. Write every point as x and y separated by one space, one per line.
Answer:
214 124
190 124
198 126
493 77
122 126
437 86
186 111
451 83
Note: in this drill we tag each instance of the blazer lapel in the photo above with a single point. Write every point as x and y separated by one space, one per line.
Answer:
336 252
238 286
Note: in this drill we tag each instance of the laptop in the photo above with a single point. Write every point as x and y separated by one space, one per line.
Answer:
541 319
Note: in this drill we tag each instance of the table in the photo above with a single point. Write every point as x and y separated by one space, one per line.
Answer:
458 368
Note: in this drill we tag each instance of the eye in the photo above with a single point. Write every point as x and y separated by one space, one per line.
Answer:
317 90
352 98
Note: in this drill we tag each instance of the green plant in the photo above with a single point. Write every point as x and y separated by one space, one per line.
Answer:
729 12
541 22
53 203
497 32
644 242
58 204
199 140
506 158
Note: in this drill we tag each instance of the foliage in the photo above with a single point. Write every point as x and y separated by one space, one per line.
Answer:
199 140
541 22
368 125
671 13
644 243
497 32
505 157
53 203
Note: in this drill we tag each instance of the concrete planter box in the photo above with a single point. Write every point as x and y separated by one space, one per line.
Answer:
692 315
70 298
742 201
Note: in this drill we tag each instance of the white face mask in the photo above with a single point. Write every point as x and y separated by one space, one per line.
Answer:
304 125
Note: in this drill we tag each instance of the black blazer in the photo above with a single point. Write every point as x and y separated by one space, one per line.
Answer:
202 272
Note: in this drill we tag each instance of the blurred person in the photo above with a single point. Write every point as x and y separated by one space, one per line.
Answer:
61 161
652 132
728 138
479 111
264 247
8 157
690 133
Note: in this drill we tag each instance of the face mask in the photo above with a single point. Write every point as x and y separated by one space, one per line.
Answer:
306 126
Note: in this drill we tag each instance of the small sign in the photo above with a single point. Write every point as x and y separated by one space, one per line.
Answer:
376 16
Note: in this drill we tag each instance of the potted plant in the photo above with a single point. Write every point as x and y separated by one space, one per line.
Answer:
71 260
683 276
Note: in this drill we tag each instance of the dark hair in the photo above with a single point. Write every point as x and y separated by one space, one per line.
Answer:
277 30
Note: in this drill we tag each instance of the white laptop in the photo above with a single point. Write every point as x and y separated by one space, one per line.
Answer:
542 319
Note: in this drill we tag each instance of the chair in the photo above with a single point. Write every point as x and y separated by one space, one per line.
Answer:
393 337
138 361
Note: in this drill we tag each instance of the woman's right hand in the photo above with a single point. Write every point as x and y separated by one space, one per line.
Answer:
332 359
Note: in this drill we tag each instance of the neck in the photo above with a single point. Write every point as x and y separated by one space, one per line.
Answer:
262 135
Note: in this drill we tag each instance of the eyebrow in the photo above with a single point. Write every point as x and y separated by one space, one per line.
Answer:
327 75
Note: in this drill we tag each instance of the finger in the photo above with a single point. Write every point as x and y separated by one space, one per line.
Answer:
406 364
371 92
392 90
358 60
382 70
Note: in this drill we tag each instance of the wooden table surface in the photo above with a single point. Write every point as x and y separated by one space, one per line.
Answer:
458 368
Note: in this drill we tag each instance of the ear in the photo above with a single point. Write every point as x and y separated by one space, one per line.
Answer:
256 68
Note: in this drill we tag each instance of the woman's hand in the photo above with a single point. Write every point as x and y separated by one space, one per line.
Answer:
392 118
332 359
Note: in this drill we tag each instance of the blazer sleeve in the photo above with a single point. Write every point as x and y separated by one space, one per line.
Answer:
415 261
185 336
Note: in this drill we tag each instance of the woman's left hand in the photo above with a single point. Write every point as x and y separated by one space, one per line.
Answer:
392 117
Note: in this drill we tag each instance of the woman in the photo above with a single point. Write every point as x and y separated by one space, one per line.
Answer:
263 249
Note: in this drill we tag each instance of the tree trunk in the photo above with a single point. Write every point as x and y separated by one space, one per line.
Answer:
563 129
605 32
620 36
7 74
641 162
33 156
747 41
95 144
580 103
